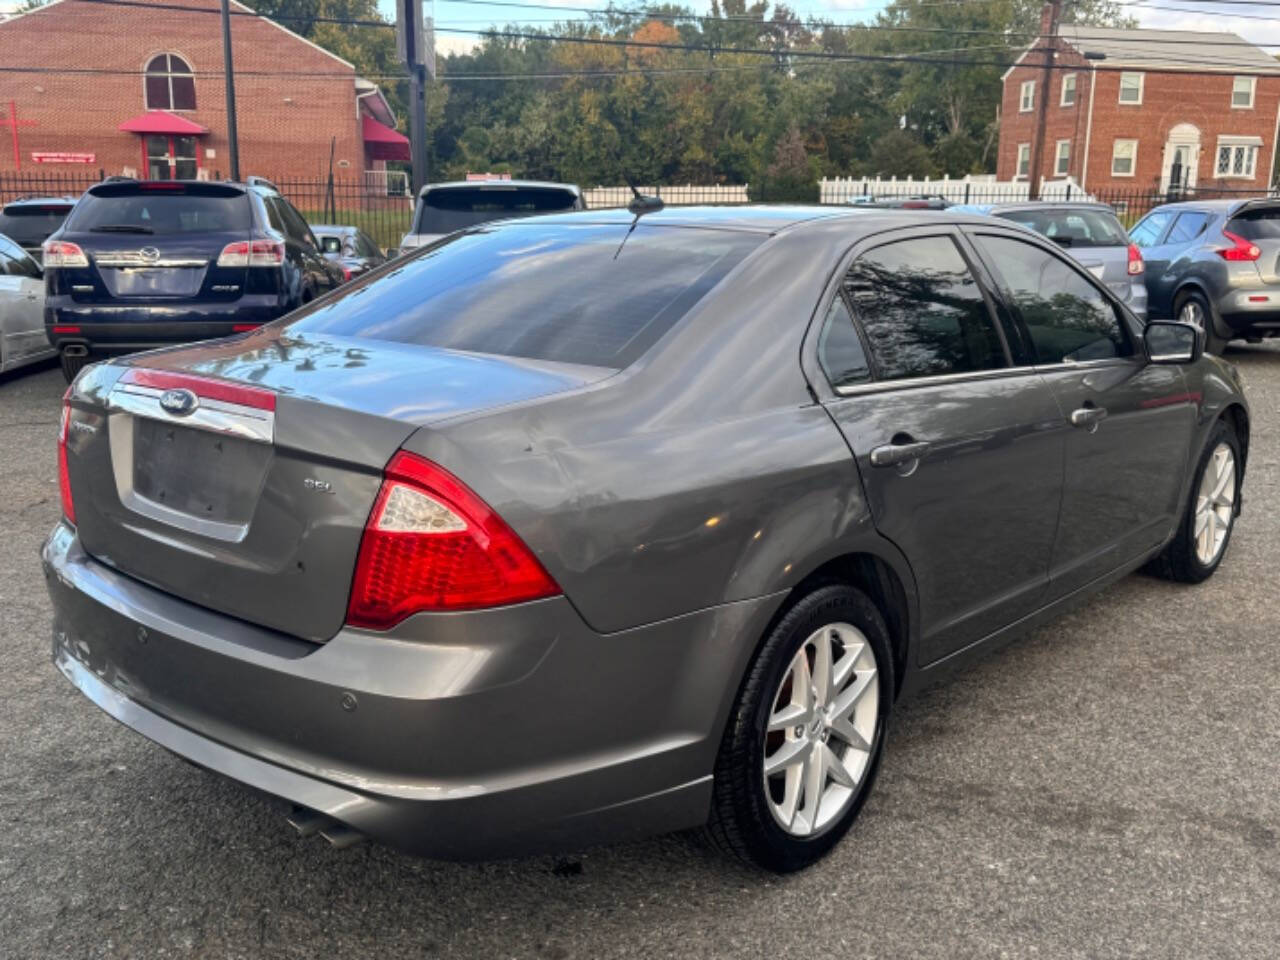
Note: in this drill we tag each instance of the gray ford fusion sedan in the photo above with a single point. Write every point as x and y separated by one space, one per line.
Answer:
572 529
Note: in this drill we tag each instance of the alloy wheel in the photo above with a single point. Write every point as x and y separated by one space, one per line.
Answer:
1215 504
821 730
1192 313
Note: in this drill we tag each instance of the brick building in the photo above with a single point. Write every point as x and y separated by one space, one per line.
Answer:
1133 110
138 88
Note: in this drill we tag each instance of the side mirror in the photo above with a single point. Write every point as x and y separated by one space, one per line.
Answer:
1169 341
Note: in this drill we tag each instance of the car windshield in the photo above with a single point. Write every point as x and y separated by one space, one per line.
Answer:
592 294
145 209
1260 223
455 208
329 243
1073 228
30 224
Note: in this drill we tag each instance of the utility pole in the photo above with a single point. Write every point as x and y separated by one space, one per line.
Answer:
1048 37
416 48
233 139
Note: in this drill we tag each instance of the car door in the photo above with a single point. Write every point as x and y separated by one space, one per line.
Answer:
319 271
953 442
1148 236
1127 424
21 305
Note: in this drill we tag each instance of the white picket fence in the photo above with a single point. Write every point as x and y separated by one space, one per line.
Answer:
678 195
981 188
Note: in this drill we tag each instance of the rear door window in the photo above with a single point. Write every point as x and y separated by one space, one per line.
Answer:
1187 227
455 208
840 350
1148 230
922 310
1068 318
1260 223
15 261
1073 228
518 291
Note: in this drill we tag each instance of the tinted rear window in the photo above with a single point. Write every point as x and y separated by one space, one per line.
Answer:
455 208
329 243
567 293
1262 223
160 212
1073 228
29 225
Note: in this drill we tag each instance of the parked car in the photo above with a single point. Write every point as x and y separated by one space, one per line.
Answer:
350 248
141 264
29 221
22 338
480 558
445 207
1091 233
1215 264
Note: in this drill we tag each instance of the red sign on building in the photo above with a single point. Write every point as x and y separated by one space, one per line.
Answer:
48 157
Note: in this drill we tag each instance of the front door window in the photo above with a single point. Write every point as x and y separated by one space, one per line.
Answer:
171 158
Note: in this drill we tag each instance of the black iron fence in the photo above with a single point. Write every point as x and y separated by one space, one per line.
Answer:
379 202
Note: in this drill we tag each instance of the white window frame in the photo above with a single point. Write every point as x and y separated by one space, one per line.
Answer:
1247 147
1024 151
1142 82
1062 98
1133 161
1061 153
1027 96
1253 92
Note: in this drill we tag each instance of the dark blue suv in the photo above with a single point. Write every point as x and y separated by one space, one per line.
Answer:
144 263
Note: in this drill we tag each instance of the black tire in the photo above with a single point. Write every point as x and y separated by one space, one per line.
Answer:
741 823
71 366
1179 561
1213 342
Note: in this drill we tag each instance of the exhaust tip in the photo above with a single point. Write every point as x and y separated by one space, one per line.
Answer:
75 350
308 823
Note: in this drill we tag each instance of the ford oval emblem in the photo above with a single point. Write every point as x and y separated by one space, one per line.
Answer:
149 254
180 403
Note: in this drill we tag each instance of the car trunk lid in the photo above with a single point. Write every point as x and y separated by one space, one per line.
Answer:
1259 224
240 475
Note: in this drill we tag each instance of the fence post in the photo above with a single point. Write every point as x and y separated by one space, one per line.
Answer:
966 191
1068 190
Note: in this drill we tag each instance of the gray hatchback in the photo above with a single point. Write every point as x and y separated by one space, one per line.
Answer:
581 527
1215 264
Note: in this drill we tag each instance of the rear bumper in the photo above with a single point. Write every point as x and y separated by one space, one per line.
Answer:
112 328
487 734
1251 312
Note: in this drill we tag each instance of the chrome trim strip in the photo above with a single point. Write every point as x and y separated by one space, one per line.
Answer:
133 260
880 386
216 416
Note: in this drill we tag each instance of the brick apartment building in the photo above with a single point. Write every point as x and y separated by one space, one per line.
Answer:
137 88
1133 110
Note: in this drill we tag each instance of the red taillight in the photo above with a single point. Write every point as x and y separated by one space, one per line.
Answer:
59 253
432 544
1136 266
255 253
244 327
63 329
64 481
346 274
1241 249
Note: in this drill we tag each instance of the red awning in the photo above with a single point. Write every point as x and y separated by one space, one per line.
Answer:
381 142
161 121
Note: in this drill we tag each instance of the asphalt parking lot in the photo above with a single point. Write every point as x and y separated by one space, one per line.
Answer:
1107 786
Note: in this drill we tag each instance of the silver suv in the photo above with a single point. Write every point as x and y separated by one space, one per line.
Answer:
1213 263
445 207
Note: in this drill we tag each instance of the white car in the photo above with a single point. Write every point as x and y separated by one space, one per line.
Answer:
445 207
22 336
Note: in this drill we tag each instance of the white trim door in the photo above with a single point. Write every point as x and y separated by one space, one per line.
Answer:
1179 169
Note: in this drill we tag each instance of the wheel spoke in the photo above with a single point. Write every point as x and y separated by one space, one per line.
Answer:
835 766
1226 480
843 728
849 697
822 665
815 778
843 668
790 753
792 715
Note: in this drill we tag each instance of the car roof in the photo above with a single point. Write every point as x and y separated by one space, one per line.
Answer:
1030 206
474 184
766 219
333 228
1216 206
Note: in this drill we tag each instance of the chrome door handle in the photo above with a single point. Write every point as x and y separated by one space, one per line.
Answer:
892 454
1088 416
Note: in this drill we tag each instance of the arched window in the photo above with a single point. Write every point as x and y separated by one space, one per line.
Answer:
170 83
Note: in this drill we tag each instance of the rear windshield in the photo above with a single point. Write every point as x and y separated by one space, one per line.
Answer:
1261 223
584 293
455 208
1073 228
158 211
329 243
30 224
